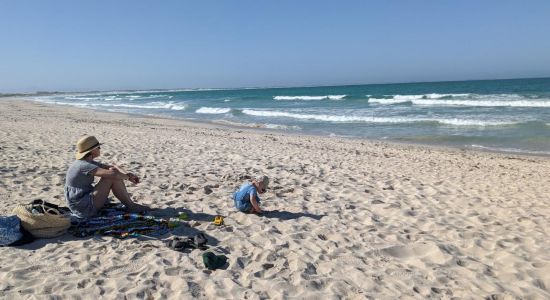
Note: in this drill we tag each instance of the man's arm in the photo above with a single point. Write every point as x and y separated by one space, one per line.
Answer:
104 166
132 177
111 173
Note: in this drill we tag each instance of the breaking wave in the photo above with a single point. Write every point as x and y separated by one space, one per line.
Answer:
365 119
310 98
212 110
152 105
496 100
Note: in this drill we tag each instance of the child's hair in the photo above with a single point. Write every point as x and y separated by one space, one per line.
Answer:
263 179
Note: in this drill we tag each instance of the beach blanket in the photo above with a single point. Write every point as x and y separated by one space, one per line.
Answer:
117 223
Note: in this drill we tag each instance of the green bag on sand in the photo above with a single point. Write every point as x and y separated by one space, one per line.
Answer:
213 261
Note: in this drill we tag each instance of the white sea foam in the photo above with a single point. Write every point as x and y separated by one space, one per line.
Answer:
328 118
492 100
158 105
427 96
439 96
213 110
152 96
80 98
231 123
110 98
512 150
484 103
310 98
177 107
407 97
152 105
387 101
396 99
366 119
133 92
464 122
259 125
78 104
457 95
282 127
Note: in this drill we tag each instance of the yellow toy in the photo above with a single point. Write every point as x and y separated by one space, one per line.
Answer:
218 221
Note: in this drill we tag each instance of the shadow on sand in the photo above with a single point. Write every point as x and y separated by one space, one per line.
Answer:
285 215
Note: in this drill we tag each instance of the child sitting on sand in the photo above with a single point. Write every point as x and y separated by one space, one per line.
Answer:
246 198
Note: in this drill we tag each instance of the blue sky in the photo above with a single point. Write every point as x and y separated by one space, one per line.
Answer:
107 45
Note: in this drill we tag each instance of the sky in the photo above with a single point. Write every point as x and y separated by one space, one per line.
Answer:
118 45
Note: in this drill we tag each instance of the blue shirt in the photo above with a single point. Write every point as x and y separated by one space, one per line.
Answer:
242 197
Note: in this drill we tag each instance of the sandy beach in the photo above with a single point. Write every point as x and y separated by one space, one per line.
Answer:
346 219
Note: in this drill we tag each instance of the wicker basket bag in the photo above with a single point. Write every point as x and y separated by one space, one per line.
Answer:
43 219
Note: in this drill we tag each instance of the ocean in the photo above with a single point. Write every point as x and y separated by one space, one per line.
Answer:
498 115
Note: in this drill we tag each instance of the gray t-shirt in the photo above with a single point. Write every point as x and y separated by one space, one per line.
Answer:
79 180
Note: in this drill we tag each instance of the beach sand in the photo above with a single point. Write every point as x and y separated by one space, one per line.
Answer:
348 219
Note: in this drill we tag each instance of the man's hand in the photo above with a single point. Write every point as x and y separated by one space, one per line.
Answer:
133 178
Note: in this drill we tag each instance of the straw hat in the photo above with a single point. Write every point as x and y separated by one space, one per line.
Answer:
85 145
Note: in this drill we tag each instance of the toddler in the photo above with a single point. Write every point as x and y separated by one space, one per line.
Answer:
246 197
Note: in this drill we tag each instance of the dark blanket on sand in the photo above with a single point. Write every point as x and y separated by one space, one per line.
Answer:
114 221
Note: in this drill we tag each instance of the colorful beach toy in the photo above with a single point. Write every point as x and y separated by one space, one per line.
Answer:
218 220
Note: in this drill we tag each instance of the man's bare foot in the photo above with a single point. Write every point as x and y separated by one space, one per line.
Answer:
137 208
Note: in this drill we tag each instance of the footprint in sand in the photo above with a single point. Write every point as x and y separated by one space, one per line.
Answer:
349 206
83 283
172 271
461 262
207 190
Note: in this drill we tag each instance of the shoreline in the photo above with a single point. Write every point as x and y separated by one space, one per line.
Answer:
257 129
342 218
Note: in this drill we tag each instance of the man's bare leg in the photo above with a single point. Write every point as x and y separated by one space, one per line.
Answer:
101 192
103 188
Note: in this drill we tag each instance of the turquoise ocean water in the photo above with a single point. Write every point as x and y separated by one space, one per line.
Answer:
503 115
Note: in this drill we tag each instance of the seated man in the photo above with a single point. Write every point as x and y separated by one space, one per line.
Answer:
84 199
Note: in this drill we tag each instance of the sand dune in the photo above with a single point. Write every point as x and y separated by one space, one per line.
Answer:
345 218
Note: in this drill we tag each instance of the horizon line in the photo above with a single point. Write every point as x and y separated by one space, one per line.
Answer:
251 87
